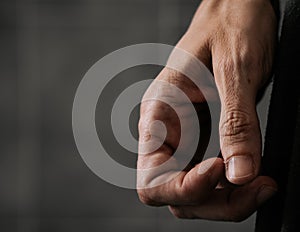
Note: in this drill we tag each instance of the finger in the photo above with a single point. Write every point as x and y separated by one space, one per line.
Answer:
230 204
183 187
161 122
170 185
240 138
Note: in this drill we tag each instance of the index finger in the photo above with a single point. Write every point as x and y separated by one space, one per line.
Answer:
160 177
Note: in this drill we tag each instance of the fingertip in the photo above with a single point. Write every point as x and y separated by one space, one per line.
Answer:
207 165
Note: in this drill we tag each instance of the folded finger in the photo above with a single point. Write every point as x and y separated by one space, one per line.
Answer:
230 204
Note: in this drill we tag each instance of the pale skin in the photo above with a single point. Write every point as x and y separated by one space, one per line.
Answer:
235 39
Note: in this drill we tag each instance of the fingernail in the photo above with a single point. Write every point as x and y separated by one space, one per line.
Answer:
240 167
265 192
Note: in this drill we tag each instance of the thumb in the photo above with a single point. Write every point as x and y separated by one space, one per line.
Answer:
240 137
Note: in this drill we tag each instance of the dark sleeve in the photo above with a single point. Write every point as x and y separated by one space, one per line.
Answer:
282 144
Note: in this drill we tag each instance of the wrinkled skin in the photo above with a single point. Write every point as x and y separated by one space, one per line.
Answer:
235 39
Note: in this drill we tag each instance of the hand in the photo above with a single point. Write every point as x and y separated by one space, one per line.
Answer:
235 39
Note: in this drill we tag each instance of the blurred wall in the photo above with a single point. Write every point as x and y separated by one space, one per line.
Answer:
46 46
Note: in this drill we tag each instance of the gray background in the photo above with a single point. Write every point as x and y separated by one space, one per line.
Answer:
46 46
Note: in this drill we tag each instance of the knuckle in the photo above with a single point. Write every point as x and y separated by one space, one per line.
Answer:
236 126
145 197
172 76
144 133
176 79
